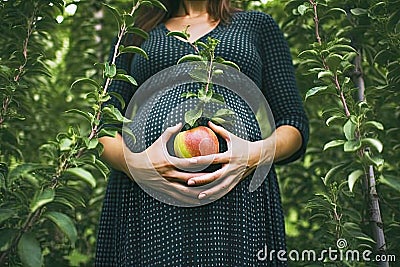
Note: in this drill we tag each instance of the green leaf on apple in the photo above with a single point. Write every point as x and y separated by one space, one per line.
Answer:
191 116
223 112
218 98
190 57
188 94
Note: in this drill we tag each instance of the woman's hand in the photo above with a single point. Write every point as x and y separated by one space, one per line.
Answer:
241 158
159 172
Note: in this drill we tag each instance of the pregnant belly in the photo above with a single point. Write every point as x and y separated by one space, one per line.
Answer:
168 108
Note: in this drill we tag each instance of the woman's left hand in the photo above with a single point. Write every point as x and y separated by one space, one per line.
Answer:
241 158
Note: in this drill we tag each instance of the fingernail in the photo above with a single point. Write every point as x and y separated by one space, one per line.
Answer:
191 182
202 195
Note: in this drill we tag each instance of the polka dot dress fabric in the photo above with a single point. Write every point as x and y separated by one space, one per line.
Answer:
138 230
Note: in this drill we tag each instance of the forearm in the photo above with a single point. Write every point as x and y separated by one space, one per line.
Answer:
287 140
113 152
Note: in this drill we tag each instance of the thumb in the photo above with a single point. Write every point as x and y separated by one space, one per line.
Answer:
171 131
219 130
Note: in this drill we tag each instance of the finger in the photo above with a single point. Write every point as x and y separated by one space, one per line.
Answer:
182 163
182 177
181 189
220 189
170 131
207 178
213 158
219 130
181 193
196 164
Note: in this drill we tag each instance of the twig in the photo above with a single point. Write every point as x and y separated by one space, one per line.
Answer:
316 21
121 34
335 79
7 100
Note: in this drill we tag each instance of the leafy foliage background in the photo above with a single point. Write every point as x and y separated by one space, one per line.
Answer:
46 45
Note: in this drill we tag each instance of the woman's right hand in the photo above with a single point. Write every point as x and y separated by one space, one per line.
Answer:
160 173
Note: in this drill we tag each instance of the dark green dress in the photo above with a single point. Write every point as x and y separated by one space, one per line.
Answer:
137 230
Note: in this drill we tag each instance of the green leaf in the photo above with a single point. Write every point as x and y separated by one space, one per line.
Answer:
70 197
199 75
353 177
391 181
201 44
126 78
333 143
135 50
340 48
105 132
221 121
119 98
358 11
29 251
65 224
103 169
333 61
158 4
333 171
188 94
110 70
82 174
332 118
139 32
190 58
231 64
308 52
5 214
302 9
114 113
129 133
41 198
128 20
351 145
374 143
218 72
65 144
218 98
182 35
88 116
375 124
338 9
116 13
377 161
85 81
92 143
6 238
325 73
223 112
192 115
349 129
315 90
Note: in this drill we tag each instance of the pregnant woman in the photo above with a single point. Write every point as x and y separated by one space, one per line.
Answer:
138 230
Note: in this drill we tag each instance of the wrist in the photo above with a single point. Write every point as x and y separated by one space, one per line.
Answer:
261 152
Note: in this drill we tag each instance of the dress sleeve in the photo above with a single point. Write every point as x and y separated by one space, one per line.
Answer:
279 84
122 88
